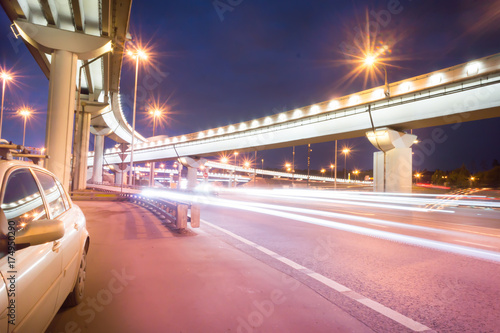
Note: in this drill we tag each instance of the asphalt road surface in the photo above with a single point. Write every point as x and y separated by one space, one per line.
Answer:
295 261
411 263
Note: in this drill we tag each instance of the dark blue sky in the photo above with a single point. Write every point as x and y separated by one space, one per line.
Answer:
254 58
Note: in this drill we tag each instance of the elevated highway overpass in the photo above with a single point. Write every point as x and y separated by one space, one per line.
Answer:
465 92
69 39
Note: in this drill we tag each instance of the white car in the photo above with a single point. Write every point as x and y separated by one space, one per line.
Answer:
43 246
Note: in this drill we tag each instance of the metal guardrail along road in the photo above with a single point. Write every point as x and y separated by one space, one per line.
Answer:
177 213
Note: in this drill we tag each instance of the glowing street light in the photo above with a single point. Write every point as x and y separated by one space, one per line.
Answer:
24 113
472 179
371 61
331 169
323 172
224 160
156 113
417 177
345 151
356 173
137 54
162 167
5 77
235 165
235 156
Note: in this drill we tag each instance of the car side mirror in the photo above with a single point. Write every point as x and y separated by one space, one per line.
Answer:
34 233
39 232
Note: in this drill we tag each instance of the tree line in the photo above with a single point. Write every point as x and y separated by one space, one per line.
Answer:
462 177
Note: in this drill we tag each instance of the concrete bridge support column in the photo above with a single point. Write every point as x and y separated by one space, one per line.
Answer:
192 178
398 170
192 163
179 175
60 114
152 173
81 142
65 48
98 159
392 166
119 175
80 150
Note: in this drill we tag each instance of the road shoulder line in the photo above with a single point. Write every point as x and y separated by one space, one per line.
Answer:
375 306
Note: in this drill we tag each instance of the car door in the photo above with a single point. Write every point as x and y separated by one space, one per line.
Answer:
36 269
71 243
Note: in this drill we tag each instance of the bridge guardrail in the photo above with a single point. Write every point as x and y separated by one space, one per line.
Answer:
176 212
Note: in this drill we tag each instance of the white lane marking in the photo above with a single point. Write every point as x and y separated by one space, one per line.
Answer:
329 282
383 310
478 244
396 316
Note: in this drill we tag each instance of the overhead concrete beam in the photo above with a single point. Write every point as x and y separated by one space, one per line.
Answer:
49 39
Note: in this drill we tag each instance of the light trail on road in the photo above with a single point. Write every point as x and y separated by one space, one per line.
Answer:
286 212
399 198
347 200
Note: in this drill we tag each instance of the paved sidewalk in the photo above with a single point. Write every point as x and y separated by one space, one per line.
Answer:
143 277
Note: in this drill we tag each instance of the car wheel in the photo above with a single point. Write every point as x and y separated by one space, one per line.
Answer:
75 297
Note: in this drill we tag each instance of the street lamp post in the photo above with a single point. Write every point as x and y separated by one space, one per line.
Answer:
25 113
235 165
335 183
225 160
156 113
371 60
308 162
345 151
417 177
5 77
387 92
137 55
255 169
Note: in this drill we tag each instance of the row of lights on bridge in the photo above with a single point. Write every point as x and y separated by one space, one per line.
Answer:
435 79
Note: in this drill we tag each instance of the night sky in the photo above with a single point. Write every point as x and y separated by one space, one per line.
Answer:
227 61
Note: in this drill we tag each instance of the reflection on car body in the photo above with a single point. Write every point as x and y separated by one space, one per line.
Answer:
43 247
